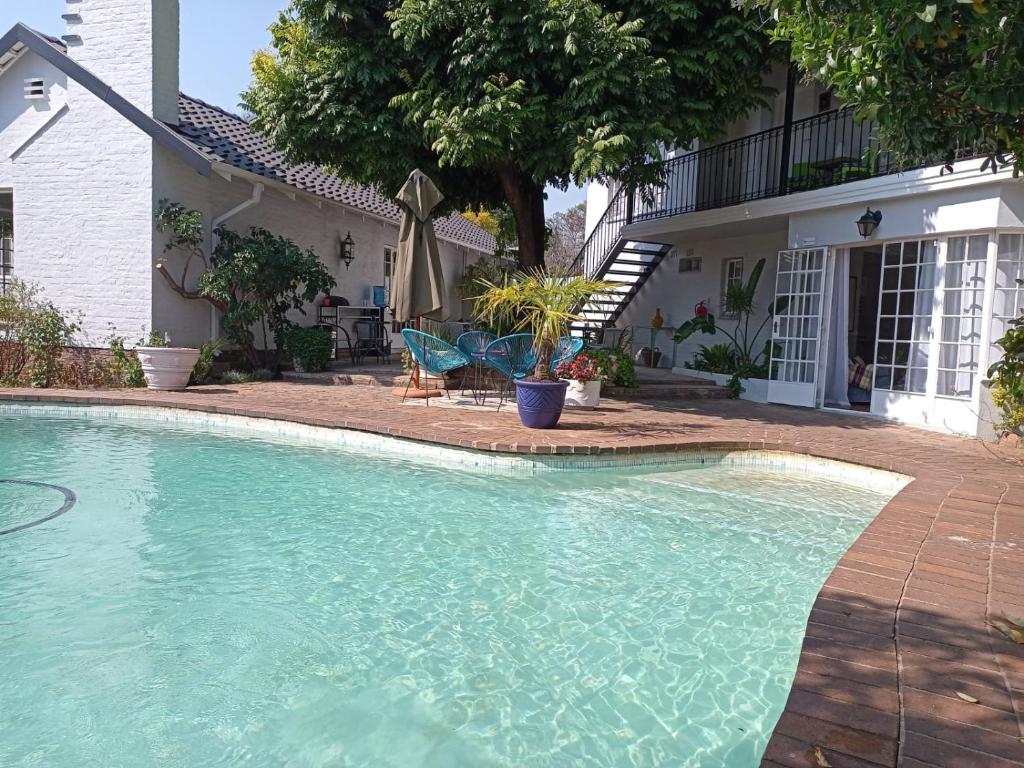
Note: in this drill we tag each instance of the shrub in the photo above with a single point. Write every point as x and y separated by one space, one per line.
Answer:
309 348
44 334
718 358
246 377
616 367
204 365
126 368
1006 378
581 368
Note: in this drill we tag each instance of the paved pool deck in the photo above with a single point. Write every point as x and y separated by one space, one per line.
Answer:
901 664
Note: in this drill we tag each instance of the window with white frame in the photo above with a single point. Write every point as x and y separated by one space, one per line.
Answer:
963 302
732 274
1008 293
905 307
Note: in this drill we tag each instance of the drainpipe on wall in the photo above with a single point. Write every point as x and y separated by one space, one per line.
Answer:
257 195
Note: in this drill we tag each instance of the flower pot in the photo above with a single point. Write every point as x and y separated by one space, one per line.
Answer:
540 402
583 394
167 368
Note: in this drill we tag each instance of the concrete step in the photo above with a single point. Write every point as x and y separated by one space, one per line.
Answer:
704 391
366 376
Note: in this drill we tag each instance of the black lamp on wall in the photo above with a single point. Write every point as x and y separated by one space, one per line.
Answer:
868 223
347 250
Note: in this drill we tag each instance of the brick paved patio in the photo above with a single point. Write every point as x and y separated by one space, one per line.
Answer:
899 630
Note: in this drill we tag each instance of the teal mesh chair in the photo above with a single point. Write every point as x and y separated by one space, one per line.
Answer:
436 356
566 351
514 357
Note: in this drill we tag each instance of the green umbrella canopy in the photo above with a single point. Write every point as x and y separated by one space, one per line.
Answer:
417 287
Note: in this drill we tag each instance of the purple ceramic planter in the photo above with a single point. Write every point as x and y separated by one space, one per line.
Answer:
540 402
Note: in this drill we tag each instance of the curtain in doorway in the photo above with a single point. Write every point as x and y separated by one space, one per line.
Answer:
837 376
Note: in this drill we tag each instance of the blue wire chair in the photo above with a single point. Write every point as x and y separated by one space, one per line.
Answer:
514 356
473 344
566 351
436 356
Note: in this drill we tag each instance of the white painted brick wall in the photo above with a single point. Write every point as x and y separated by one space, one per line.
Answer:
82 212
132 45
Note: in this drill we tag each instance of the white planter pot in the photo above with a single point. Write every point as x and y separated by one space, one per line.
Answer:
167 368
583 394
754 390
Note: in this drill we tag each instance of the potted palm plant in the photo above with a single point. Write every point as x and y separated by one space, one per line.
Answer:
543 305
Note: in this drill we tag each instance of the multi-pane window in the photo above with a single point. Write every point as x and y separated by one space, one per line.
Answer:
798 286
905 307
963 303
1008 294
732 274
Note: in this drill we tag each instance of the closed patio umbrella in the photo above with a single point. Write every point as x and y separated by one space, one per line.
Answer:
417 289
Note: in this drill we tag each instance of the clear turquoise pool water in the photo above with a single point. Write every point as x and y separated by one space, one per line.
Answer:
224 600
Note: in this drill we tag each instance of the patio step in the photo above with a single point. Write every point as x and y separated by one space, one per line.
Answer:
682 391
360 376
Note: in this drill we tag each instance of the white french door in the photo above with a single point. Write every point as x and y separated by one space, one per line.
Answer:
796 331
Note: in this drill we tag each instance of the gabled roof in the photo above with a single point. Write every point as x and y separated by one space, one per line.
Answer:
21 37
231 139
209 137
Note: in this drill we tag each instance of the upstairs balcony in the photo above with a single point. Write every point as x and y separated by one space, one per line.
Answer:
825 150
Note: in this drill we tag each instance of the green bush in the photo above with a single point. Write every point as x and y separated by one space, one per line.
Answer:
615 367
204 365
246 377
45 334
718 358
309 348
127 369
1006 378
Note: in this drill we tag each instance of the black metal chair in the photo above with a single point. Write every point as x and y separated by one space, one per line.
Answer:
372 338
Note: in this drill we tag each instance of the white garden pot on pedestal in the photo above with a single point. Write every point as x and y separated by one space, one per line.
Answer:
167 368
583 394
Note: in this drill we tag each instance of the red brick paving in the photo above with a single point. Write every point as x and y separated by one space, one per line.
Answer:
899 628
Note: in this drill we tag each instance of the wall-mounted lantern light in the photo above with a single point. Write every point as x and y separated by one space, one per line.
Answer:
347 250
868 223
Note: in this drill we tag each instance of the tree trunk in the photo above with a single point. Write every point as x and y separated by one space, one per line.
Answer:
526 200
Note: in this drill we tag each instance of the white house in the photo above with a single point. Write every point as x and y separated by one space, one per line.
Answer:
916 303
94 133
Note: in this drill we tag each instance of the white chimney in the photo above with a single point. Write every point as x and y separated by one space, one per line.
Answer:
133 46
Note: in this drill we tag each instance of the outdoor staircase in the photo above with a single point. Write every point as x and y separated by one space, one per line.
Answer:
607 255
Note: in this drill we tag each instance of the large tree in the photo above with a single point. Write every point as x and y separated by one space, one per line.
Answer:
498 98
936 74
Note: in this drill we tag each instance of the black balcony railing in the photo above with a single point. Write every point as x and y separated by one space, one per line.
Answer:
825 150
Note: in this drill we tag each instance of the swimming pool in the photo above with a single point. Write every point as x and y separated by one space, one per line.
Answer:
220 598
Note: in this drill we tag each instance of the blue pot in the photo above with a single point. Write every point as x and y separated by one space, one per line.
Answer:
540 402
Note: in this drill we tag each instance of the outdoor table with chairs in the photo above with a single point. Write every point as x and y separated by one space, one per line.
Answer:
477 354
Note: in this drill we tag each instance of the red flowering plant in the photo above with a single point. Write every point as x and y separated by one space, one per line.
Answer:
580 368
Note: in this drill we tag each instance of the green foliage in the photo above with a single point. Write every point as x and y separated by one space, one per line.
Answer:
44 334
246 377
126 367
255 279
1006 378
17 305
615 367
936 74
538 303
258 278
494 100
309 348
488 269
718 358
740 302
204 363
